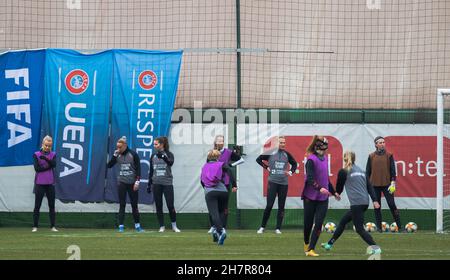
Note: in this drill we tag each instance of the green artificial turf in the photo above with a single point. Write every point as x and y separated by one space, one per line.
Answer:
21 243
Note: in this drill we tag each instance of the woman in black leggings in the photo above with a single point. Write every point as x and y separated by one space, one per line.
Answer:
276 162
216 193
160 181
315 193
358 191
44 163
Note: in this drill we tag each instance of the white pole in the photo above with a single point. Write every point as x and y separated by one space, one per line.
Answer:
440 166
440 159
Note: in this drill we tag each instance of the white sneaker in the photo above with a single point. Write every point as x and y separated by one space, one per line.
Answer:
211 230
277 231
162 229
54 229
260 230
34 229
175 229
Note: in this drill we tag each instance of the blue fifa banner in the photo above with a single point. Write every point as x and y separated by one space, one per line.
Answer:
75 114
144 91
22 90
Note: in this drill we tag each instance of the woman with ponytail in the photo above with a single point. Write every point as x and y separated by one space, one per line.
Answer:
358 191
316 192
160 182
44 163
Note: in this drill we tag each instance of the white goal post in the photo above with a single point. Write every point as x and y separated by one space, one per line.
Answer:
441 93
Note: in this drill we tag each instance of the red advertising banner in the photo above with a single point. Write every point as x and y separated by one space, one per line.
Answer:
415 158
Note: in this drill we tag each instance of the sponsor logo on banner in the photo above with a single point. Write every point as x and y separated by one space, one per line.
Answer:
415 160
296 146
21 112
74 132
21 94
145 120
147 79
77 81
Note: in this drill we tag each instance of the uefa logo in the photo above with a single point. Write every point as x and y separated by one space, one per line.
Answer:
77 81
147 79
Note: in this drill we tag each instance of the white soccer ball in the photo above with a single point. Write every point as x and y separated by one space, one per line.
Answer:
393 227
330 227
370 227
411 227
385 227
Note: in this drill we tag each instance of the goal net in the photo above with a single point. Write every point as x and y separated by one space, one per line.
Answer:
443 161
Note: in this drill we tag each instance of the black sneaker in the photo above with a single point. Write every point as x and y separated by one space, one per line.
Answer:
215 236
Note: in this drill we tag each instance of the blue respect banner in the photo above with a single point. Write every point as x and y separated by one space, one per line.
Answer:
76 115
144 91
21 93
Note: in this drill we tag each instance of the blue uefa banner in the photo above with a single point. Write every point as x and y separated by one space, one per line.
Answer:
21 93
144 91
76 113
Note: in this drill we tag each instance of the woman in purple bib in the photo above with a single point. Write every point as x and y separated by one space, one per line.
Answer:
216 193
316 192
228 157
44 163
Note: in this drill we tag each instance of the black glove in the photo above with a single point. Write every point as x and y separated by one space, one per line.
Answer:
237 150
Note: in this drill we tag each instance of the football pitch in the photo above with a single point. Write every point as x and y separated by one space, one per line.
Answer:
22 244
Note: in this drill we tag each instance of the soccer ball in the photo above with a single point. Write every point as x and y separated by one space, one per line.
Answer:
385 227
330 227
411 227
393 227
370 227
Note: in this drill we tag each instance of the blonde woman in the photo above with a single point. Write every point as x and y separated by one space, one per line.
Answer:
216 192
44 163
228 157
281 165
358 191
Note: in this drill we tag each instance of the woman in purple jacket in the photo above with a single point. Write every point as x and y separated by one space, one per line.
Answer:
216 192
228 157
316 192
44 163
